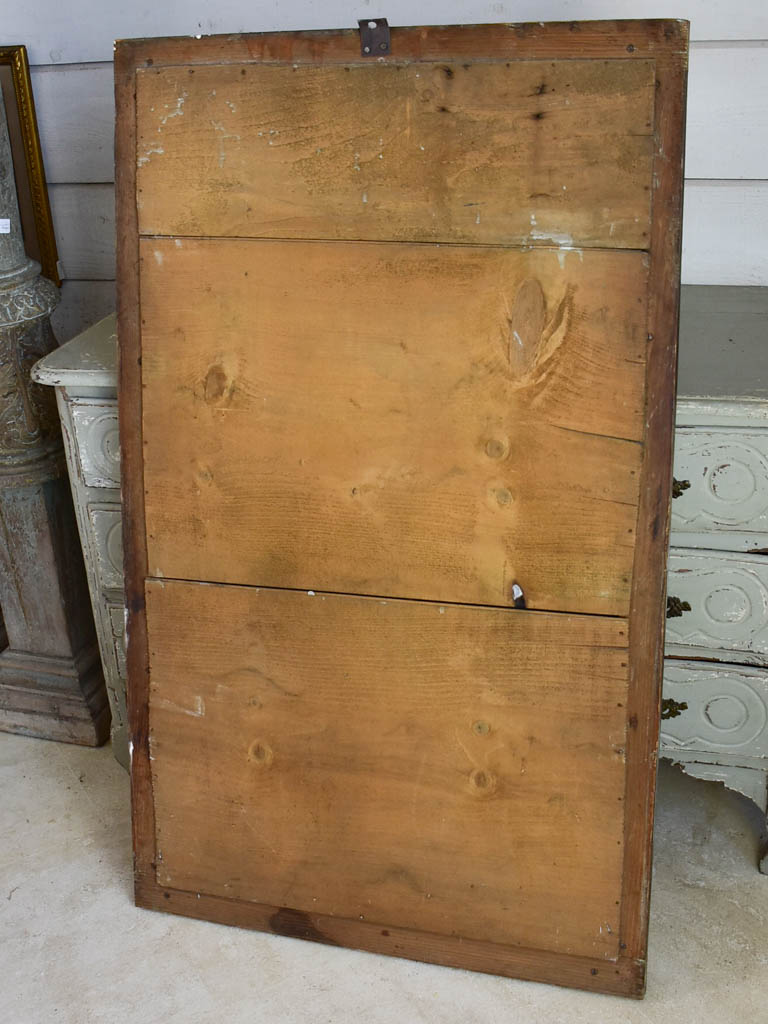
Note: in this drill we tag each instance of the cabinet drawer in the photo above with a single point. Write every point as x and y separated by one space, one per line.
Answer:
722 482
107 536
722 708
97 441
718 601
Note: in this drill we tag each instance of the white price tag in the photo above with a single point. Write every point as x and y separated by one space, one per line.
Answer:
5 225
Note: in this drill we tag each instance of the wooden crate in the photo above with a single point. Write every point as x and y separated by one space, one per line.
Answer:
398 342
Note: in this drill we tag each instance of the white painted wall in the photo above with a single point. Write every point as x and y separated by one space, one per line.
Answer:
70 47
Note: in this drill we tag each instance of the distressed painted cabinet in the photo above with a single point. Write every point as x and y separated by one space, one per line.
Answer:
84 374
715 712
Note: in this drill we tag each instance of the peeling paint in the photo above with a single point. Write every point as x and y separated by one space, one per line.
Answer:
148 153
562 239
176 112
219 127
196 711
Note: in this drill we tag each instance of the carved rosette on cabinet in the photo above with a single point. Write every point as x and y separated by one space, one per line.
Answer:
726 710
727 477
716 667
51 683
727 604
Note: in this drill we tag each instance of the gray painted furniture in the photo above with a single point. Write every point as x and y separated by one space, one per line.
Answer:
84 373
715 712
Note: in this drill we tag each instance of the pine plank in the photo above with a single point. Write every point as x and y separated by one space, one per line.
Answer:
452 151
405 420
647 609
72 34
392 761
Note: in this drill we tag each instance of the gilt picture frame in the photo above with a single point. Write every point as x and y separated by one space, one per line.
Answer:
34 206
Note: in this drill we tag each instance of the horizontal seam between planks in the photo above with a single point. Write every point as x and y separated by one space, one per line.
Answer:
518 246
383 597
607 437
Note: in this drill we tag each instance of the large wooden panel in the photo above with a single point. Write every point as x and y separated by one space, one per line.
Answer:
415 765
569 401
512 152
404 420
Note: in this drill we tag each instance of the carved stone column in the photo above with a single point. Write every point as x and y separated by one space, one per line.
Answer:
51 682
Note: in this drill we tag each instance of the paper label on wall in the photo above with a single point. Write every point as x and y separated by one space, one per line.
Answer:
5 225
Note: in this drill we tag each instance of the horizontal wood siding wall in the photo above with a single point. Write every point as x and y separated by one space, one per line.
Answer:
726 199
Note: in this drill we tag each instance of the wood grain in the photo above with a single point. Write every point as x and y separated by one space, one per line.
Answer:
647 612
454 152
666 43
403 420
622 976
56 36
131 470
439 753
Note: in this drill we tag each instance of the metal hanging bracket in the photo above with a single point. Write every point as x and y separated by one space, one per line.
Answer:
374 37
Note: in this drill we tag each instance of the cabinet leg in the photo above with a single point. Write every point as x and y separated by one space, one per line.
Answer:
751 782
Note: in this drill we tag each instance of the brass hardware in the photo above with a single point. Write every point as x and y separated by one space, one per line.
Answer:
672 708
676 607
678 486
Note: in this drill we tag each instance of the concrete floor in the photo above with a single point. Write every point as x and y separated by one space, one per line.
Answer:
74 949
